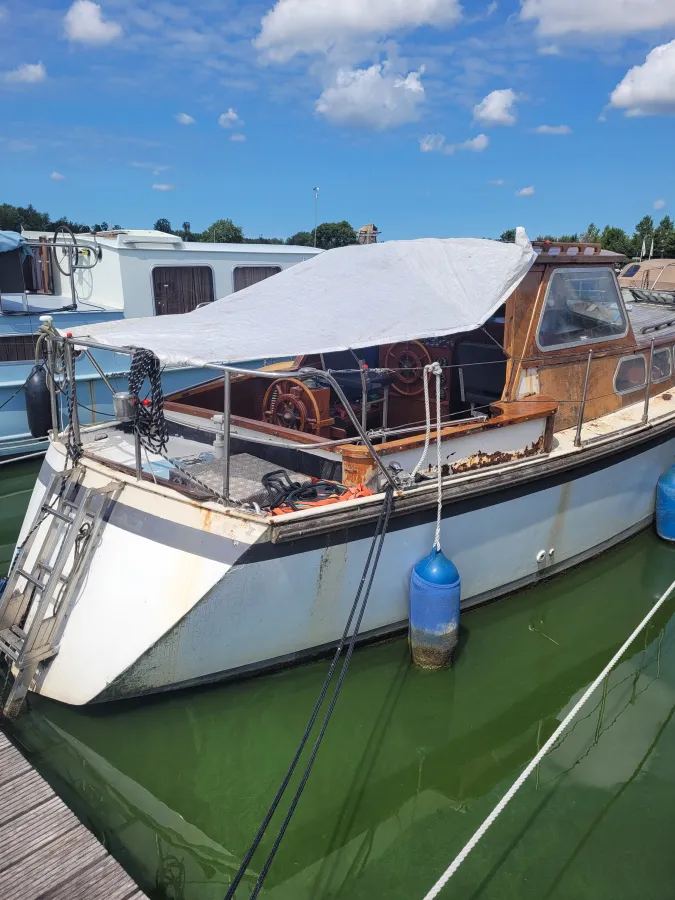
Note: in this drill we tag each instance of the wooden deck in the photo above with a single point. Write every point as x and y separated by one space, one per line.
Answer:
45 851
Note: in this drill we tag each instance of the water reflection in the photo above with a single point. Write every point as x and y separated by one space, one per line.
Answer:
412 761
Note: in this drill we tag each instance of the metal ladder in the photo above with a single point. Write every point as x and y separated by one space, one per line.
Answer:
45 578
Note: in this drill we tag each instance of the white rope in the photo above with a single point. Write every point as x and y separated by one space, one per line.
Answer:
432 369
508 796
439 477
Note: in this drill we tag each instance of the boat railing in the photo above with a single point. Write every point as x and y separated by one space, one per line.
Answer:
68 256
70 345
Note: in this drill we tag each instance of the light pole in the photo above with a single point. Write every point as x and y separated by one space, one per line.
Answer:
316 212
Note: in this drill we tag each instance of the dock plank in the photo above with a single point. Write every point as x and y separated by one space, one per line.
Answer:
22 795
45 851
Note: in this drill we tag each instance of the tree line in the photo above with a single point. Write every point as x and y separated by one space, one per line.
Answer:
328 234
618 240
14 218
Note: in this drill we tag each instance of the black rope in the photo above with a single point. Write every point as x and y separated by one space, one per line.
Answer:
380 532
150 422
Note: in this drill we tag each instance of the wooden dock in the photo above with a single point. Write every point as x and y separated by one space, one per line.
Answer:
45 851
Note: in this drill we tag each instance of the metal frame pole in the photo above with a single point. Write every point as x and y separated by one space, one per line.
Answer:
645 414
100 372
70 373
137 451
51 378
385 413
582 408
227 390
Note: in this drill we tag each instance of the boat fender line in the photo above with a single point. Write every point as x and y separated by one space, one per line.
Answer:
529 769
435 583
369 575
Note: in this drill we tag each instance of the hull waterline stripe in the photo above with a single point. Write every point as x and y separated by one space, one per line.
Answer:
214 547
222 549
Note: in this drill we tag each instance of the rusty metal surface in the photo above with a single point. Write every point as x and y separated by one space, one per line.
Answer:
482 460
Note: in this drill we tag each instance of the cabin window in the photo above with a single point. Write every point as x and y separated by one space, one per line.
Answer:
582 306
631 374
662 365
245 276
180 289
630 271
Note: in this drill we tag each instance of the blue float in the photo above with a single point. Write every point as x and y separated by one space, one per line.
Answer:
665 505
435 589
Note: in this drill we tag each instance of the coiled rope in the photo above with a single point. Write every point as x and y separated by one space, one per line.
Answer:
369 575
150 422
529 769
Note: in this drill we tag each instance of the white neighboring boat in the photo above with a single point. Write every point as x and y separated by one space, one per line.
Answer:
89 279
144 571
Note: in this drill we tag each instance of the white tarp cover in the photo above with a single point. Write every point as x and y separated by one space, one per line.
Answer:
351 297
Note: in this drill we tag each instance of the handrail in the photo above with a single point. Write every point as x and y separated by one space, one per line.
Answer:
272 376
653 287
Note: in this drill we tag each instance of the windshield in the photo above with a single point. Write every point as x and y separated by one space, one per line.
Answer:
582 306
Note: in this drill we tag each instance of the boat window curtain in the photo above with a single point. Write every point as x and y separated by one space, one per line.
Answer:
180 289
245 276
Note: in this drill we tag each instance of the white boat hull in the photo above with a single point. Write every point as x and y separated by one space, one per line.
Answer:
179 593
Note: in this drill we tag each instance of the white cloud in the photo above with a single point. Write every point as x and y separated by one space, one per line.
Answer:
476 145
659 204
84 22
238 137
525 192
553 129
316 26
162 187
498 182
432 143
549 50
372 98
230 119
649 89
496 109
57 176
435 143
28 73
184 119
592 17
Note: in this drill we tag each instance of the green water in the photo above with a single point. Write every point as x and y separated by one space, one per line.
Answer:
412 762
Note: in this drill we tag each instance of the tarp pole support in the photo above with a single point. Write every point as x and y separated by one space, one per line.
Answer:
645 414
227 391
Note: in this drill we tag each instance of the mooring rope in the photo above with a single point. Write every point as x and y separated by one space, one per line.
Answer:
377 542
522 778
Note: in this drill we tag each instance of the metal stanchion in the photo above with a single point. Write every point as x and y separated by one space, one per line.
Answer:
645 414
226 435
582 408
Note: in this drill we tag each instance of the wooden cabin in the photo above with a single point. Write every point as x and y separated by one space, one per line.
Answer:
525 368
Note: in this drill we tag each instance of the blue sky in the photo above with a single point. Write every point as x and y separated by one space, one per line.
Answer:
419 116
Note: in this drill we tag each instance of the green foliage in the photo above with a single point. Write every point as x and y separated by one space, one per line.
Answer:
664 238
592 235
14 218
508 236
335 234
616 240
223 231
301 239
163 225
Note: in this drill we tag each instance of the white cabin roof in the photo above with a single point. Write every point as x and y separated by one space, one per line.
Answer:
146 238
